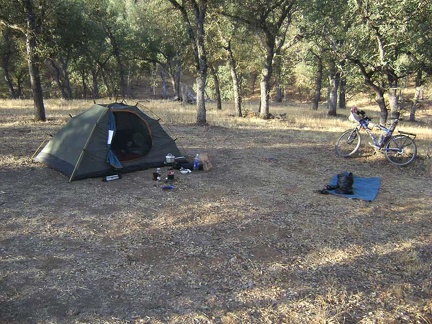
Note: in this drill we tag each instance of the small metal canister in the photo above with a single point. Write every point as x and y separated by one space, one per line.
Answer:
169 158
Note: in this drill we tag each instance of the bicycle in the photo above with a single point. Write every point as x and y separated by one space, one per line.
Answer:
399 149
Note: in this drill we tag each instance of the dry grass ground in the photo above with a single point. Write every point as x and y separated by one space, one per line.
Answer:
250 241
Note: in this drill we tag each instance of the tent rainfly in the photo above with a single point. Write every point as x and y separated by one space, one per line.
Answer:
107 139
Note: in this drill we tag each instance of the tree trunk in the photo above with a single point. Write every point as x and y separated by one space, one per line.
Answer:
265 97
217 88
279 92
162 74
20 79
153 80
278 82
342 92
95 88
318 84
393 97
196 36
66 81
57 79
121 74
235 81
12 93
188 97
117 55
107 84
379 92
265 83
184 95
33 62
175 78
236 90
201 59
379 98
128 90
84 84
417 95
201 110
333 89
5 61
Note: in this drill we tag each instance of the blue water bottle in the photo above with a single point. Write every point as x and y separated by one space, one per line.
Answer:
196 162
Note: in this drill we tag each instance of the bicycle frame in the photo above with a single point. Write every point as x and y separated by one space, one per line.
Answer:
365 123
384 138
399 149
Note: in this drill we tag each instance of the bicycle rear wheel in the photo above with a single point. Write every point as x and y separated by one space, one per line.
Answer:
400 150
348 143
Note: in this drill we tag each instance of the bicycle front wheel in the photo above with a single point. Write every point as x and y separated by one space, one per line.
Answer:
348 143
400 150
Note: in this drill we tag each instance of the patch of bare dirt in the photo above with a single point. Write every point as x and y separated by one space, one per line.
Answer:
249 241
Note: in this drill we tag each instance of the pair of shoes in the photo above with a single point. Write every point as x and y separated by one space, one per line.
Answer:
326 189
322 191
331 187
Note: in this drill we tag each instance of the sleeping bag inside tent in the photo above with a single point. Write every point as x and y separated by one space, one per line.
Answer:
106 139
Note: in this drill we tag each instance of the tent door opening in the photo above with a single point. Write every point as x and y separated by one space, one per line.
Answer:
132 139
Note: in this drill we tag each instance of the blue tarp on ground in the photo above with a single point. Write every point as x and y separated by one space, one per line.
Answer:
364 188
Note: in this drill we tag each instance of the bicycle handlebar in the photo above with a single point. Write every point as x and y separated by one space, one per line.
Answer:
363 118
361 113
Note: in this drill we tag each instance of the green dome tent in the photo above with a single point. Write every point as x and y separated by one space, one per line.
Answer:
106 139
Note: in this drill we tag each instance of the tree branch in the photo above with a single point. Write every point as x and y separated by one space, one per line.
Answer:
12 26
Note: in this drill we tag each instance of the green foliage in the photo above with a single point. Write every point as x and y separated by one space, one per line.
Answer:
13 61
113 39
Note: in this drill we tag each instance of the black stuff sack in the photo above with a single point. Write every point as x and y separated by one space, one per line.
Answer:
343 184
345 181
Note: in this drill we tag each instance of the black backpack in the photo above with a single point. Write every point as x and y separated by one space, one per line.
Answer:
345 181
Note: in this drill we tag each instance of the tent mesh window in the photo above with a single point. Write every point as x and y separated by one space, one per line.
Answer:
132 139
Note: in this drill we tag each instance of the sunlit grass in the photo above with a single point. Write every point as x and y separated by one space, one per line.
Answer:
299 116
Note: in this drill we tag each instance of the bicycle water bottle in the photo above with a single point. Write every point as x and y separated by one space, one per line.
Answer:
196 163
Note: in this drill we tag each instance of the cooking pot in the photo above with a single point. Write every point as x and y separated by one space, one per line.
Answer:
169 158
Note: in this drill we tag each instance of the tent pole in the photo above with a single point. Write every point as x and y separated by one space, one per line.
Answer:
85 147
43 142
